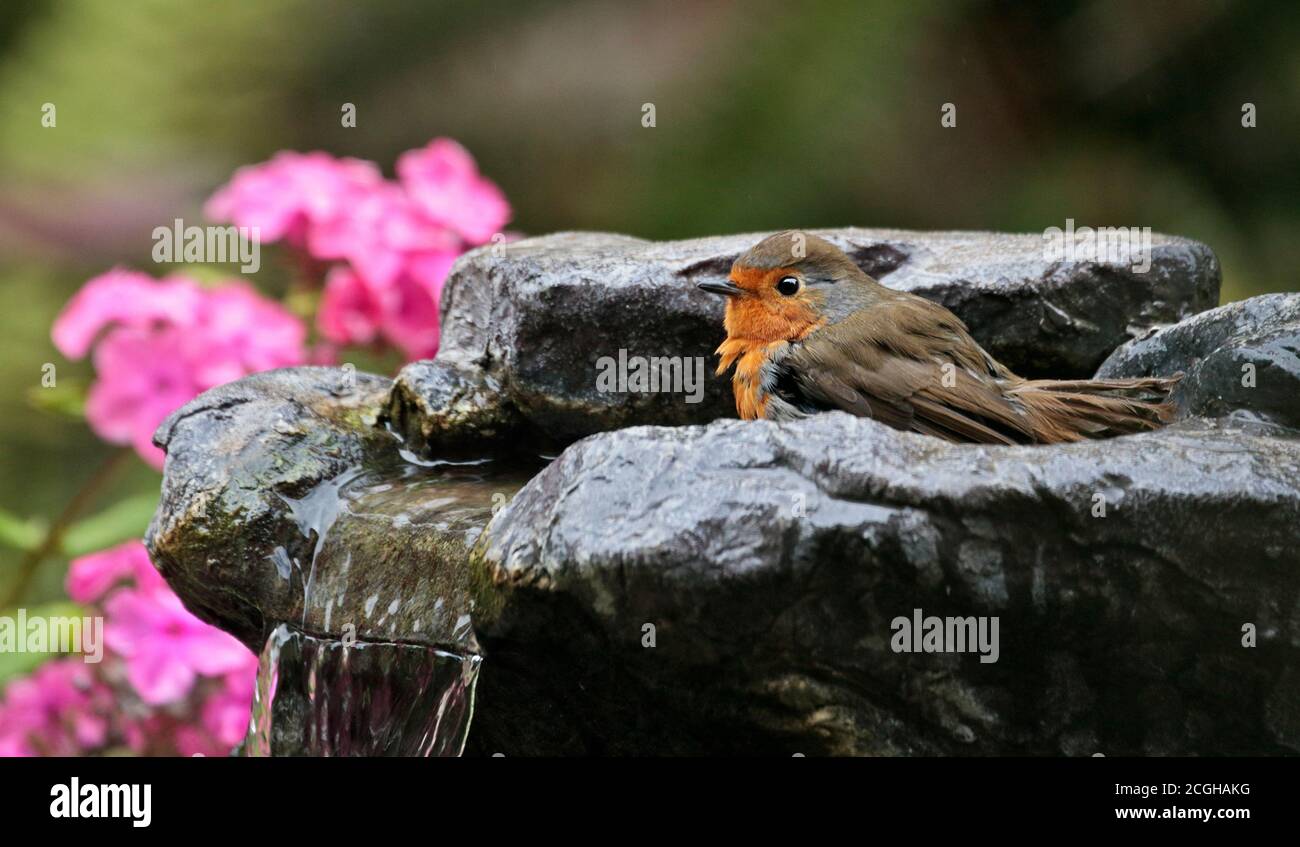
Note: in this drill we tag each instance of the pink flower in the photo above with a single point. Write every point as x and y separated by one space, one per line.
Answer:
225 713
160 733
397 262
166 647
144 375
181 687
349 312
443 180
122 298
394 242
293 191
242 332
380 234
159 344
59 710
355 310
192 741
411 314
90 577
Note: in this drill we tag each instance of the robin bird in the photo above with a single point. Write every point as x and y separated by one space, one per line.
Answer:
808 331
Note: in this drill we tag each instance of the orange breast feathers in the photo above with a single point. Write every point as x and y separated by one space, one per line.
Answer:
747 382
759 323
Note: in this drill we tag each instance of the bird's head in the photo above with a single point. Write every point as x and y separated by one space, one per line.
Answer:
788 285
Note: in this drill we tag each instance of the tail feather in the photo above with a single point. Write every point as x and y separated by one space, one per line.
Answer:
1075 409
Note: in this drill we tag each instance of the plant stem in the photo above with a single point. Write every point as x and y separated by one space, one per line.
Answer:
54 535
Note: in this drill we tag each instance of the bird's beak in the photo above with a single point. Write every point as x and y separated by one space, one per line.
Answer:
726 289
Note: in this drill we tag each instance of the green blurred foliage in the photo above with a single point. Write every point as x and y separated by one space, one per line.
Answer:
14 664
768 114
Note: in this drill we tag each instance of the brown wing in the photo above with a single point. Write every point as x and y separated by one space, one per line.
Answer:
910 364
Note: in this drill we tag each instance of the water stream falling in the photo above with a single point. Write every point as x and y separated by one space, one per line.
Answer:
328 697
379 657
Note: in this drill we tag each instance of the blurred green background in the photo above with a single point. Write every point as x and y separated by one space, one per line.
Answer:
769 115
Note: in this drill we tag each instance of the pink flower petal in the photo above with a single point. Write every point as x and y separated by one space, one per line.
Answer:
90 577
349 312
445 184
121 297
165 646
290 193
158 345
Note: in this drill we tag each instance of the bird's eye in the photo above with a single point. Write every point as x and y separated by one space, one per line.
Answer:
787 285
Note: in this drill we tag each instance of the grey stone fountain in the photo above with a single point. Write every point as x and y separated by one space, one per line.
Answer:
593 572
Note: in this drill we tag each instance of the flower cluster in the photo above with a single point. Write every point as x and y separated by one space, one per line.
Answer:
168 682
390 243
60 710
160 343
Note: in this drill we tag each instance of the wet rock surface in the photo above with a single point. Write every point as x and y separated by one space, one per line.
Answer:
772 559
286 501
1242 356
734 587
526 324
233 455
